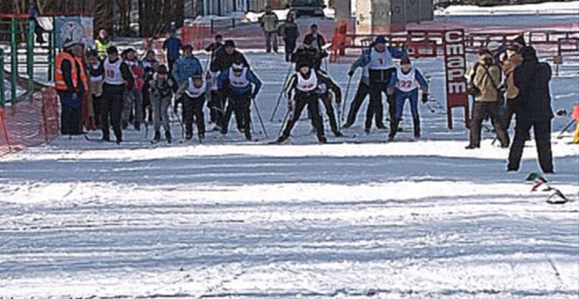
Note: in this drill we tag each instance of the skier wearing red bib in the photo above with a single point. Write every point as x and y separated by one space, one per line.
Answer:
405 84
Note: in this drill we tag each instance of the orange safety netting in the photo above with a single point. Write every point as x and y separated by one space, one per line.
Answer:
29 123
196 35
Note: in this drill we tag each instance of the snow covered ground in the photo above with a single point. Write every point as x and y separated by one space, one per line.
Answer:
236 219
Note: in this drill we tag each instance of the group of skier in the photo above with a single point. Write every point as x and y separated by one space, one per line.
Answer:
126 90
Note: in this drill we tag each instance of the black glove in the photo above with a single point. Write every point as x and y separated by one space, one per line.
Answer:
424 98
351 73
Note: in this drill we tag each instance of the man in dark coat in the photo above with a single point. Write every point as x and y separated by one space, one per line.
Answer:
534 111
224 58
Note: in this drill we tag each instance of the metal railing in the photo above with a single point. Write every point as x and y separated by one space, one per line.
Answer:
22 30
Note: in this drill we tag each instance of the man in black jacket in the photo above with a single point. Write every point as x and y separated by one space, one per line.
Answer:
534 111
223 59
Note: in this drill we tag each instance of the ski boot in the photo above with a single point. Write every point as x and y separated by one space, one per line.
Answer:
168 136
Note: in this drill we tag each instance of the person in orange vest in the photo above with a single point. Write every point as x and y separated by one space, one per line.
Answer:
70 83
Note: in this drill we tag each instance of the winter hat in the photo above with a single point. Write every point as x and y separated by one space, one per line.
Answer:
162 69
493 46
187 48
229 43
520 40
529 53
405 60
237 66
380 40
304 62
112 50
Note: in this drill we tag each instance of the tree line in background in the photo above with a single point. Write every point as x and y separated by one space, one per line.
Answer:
117 16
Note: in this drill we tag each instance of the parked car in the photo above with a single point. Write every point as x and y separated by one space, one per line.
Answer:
307 7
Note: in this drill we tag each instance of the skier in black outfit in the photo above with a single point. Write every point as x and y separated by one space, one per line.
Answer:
534 110
213 101
327 101
308 52
378 60
215 46
225 57
118 78
306 86
194 89
222 61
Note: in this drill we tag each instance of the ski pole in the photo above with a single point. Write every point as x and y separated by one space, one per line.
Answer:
346 97
430 108
284 121
565 129
260 119
178 119
281 93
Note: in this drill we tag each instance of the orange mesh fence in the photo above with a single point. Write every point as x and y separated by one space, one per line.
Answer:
196 35
29 123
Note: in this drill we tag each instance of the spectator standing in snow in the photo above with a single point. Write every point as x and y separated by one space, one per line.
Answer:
404 84
70 83
289 31
171 46
318 40
484 84
512 60
268 23
103 42
532 79
161 89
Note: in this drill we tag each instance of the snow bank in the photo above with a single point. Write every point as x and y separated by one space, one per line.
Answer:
542 8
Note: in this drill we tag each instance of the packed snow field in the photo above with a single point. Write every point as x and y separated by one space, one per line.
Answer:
238 219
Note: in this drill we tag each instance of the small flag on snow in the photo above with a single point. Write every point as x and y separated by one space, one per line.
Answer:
556 197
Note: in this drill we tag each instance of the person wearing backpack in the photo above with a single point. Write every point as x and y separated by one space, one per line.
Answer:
484 81
532 79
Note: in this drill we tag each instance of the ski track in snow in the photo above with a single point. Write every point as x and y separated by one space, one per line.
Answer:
423 219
